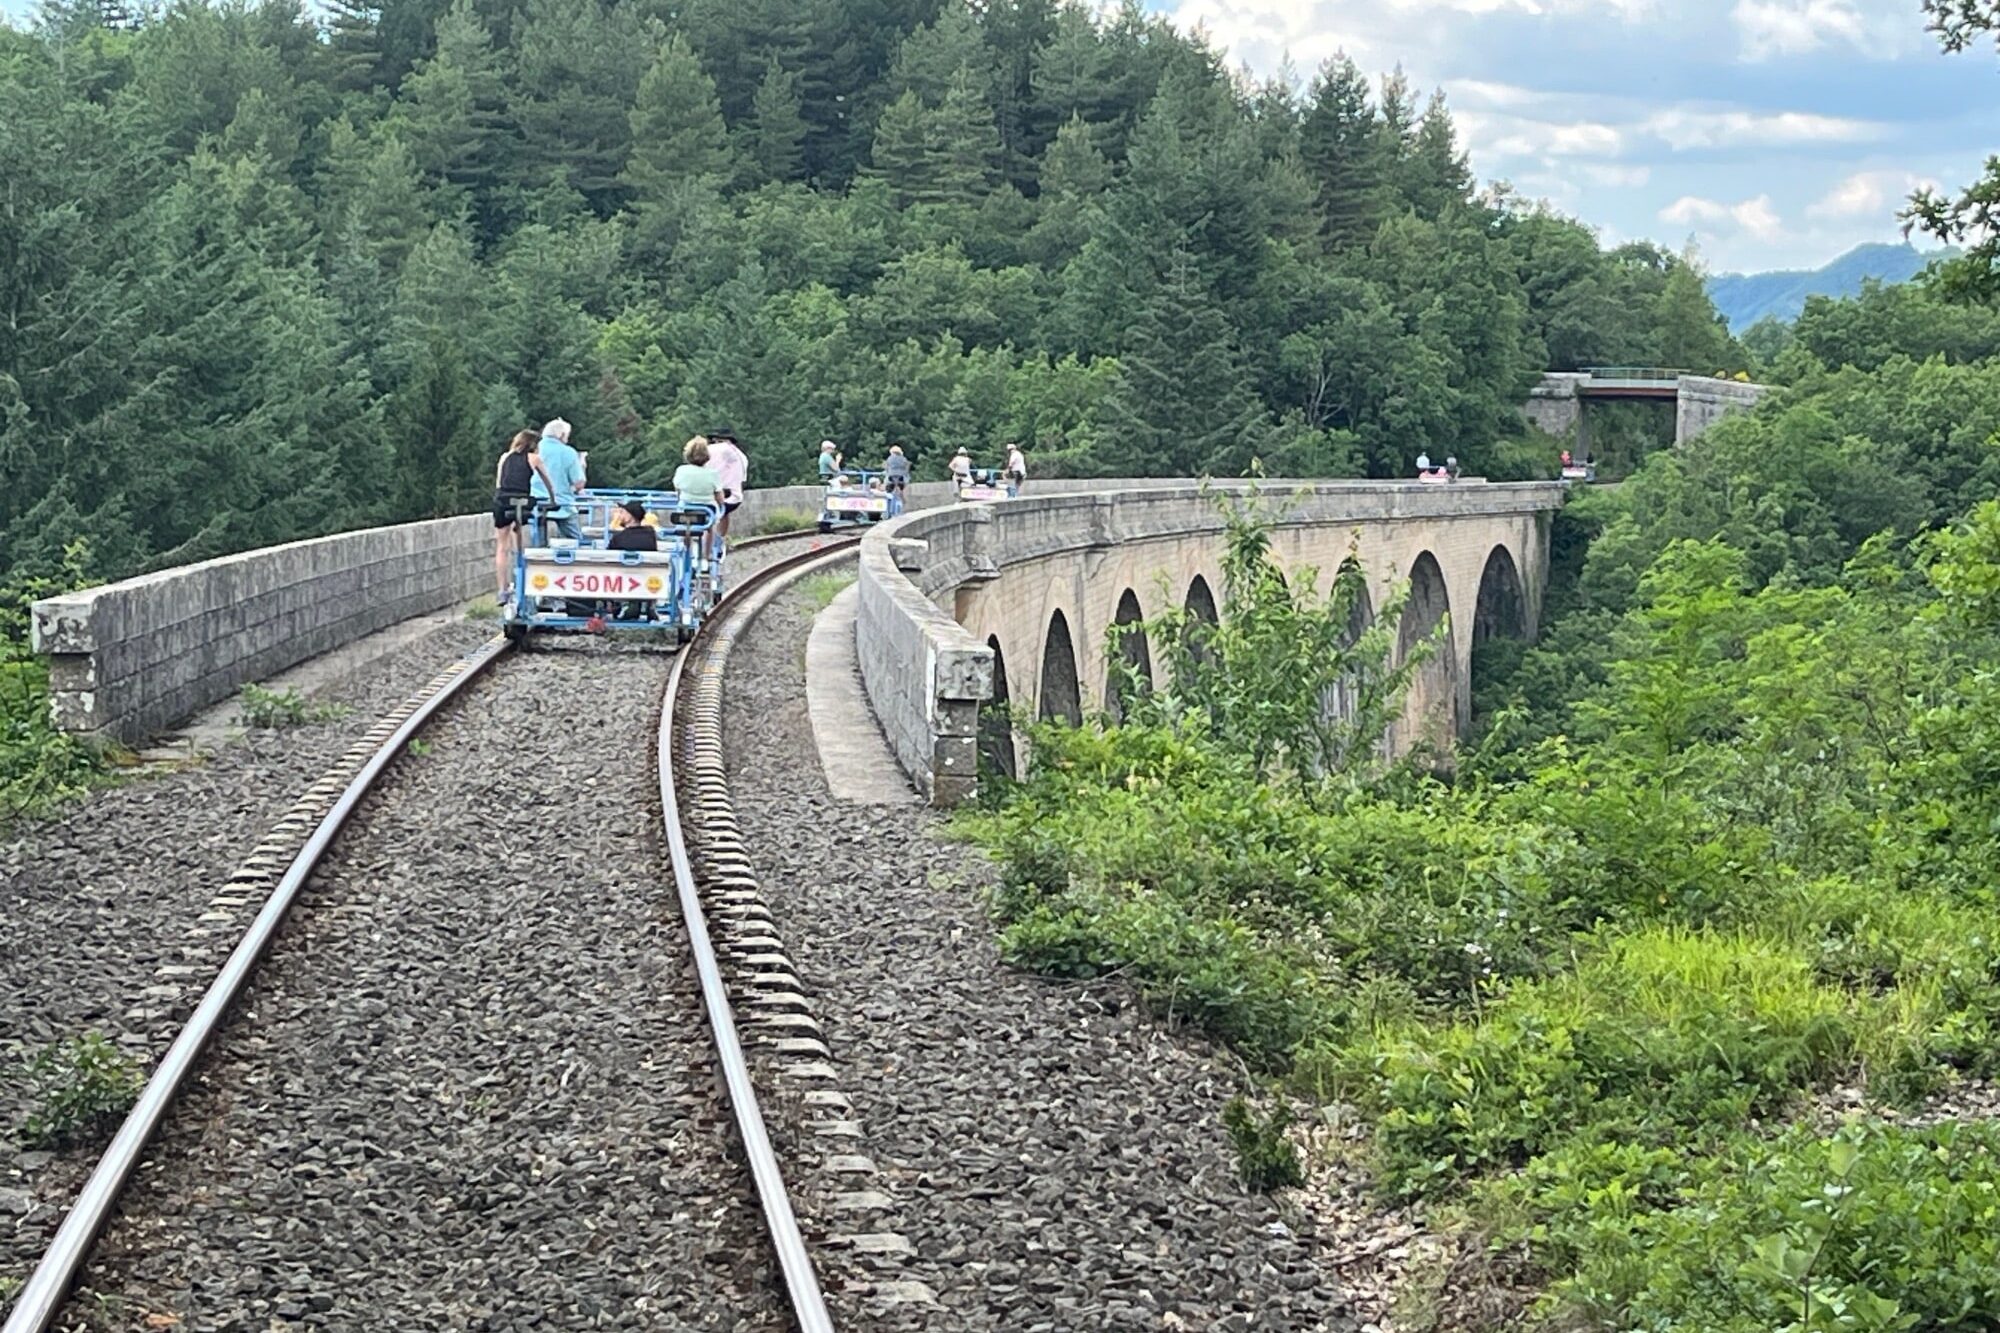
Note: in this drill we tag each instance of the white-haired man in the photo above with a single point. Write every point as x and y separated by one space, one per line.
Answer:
563 467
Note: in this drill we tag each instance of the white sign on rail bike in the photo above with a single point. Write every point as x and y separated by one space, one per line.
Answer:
858 504
630 583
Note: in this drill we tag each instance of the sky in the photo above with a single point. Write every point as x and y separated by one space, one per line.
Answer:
1774 133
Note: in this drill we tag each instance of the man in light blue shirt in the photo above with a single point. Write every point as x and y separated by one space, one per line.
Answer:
564 468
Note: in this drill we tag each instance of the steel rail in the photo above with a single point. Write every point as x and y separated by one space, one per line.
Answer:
38 1301
41 1297
801 1281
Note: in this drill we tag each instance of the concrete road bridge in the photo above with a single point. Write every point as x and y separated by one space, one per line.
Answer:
958 605
1558 406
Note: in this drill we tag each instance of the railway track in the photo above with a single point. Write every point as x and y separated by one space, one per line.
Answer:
279 870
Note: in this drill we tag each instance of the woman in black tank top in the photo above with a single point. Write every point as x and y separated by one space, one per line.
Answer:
513 482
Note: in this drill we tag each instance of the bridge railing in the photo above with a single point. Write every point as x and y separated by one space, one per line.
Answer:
1649 374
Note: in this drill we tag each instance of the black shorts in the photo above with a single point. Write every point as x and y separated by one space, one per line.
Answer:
731 506
505 515
895 483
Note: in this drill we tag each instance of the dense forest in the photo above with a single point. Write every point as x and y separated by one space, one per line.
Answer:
270 273
1673 1000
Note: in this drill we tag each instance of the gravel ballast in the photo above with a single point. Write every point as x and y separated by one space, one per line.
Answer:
99 896
1056 1156
470 1087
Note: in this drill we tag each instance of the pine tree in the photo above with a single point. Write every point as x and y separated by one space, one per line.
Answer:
1436 176
1184 404
677 131
452 109
354 42
774 147
434 425
1067 75
931 57
1692 335
1342 152
967 147
901 157
579 66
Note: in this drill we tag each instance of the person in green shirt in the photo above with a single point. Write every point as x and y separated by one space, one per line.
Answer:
696 483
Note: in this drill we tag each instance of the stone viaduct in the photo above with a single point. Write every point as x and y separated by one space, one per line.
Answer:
958 604
1558 405
1015 601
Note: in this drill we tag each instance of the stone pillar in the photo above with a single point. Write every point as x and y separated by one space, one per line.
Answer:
1555 408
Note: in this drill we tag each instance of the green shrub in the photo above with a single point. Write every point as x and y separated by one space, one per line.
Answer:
40 767
269 710
785 520
483 608
80 1088
1663 1035
1874 1228
1265 1158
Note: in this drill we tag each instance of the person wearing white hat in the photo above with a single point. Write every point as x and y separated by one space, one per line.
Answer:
961 468
829 460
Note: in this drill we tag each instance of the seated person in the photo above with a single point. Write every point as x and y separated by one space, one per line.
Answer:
633 531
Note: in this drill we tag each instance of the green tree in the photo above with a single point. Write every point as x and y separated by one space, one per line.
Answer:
775 136
1184 404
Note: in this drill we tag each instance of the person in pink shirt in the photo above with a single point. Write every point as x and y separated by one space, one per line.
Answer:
732 467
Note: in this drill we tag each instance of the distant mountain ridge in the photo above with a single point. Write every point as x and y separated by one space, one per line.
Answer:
1745 298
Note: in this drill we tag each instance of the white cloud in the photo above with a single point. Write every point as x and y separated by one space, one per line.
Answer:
1683 127
1755 217
1625 178
1869 194
1768 28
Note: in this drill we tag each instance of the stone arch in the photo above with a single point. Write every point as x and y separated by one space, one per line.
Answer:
996 725
1341 698
1061 694
1132 651
1201 601
1502 608
1431 711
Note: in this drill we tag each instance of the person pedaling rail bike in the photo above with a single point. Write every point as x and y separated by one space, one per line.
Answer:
1017 469
634 534
557 482
896 478
696 484
961 469
829 460
732 469
513 499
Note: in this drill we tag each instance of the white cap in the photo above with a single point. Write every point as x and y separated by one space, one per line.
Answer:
827 444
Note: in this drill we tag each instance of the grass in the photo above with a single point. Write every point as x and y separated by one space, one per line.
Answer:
820 590
272 710
784 520
483 608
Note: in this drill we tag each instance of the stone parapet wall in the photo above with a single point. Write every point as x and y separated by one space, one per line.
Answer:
129 659
134 658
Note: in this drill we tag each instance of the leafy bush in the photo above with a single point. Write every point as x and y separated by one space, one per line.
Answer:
269 710
1663 1035
40 767
81 1087
1873 1228
1265 1158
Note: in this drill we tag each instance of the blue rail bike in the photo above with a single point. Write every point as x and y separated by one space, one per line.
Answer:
857 498
588 586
